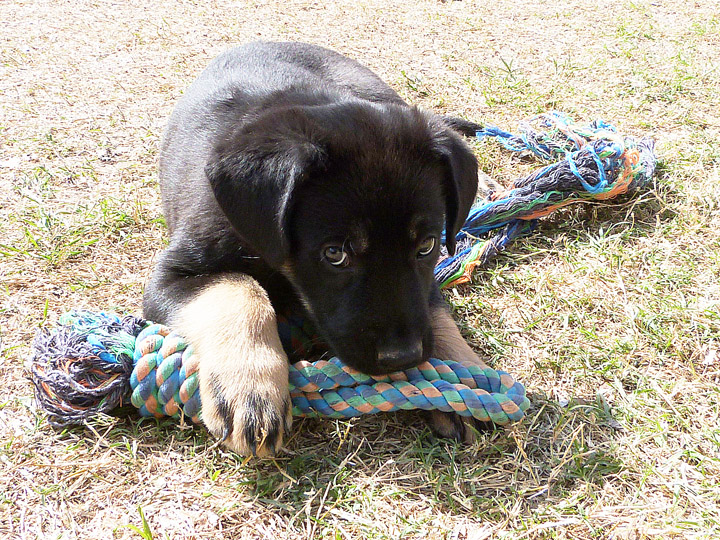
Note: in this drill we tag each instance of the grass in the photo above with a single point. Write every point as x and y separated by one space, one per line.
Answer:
609 315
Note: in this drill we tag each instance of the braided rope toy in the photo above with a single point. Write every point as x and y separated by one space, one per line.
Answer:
95 362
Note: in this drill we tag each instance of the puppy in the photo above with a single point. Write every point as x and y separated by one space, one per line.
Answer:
294 178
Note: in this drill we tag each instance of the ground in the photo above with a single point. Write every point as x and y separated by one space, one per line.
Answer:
609 314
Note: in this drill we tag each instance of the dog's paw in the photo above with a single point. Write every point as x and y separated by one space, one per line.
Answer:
246 402
448 425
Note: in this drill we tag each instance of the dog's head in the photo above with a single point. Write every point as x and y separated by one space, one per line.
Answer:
349 202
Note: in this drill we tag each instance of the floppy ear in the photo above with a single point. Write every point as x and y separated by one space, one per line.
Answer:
460 182
254 174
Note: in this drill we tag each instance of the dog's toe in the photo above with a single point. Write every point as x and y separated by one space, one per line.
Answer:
252 421
453 426
260 425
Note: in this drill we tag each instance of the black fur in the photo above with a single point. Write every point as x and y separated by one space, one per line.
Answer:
224 410
279 150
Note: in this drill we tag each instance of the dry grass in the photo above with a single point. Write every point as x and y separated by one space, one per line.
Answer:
610 317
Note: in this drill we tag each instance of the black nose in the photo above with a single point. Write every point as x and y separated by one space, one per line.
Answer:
394 358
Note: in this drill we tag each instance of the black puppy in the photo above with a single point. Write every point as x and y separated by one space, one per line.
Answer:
293 175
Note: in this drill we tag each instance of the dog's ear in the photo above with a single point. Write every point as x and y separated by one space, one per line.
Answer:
460 182
254 174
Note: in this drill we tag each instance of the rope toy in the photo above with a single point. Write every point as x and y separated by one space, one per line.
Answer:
95 362
595 164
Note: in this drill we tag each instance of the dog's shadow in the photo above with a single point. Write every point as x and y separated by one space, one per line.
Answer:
377 472
334 469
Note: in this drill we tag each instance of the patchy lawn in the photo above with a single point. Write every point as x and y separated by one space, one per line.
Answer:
609 314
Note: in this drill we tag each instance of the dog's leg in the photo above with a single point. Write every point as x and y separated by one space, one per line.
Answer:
450 345
243 369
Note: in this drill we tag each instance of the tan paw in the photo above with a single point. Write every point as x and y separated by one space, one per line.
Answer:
249 412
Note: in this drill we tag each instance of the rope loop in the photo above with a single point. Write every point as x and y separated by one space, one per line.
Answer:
164 382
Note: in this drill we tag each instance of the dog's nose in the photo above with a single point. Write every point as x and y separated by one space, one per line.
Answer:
394 358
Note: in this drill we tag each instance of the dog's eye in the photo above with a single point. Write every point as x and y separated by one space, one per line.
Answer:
426 247
336 256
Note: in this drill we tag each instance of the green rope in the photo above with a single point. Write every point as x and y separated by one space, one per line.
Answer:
95 362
